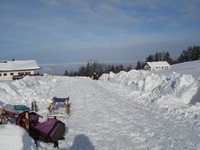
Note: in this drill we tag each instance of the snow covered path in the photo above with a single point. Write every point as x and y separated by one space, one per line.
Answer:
104 120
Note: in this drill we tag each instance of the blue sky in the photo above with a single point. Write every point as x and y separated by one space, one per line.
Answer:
60 31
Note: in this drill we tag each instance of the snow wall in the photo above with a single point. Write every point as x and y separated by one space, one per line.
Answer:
169 89
26 90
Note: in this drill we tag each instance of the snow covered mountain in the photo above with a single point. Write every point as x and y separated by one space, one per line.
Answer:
129 110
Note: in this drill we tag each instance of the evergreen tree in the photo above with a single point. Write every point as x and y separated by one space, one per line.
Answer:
66 73
149 58
168 58
156 57
192 53
138 66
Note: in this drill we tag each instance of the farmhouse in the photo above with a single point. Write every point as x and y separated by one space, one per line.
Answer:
157 65
8 69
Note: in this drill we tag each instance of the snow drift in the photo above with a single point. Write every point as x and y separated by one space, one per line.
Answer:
15 137
175 88
26 90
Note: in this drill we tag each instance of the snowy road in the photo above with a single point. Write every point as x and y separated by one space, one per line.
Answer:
102 119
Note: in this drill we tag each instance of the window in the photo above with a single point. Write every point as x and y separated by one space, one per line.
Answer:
20 73
5 74
11 74
27 73
0 74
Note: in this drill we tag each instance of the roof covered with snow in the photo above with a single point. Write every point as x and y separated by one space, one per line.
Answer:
16 65
158 64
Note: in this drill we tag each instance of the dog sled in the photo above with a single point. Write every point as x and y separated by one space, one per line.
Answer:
51 130
65 101
6 115
12 112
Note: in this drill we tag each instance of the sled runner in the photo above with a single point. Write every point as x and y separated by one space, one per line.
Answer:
51 130
58 114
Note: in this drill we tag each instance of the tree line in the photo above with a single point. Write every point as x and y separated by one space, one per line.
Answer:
97 68
192 53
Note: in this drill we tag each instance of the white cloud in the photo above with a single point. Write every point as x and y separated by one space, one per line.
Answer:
52 2
137 11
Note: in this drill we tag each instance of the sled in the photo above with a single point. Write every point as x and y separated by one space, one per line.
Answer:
51 130
12 113
7 115
65 101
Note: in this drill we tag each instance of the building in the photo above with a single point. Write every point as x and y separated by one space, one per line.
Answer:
8 69
157 65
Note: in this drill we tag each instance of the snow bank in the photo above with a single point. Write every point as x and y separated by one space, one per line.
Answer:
174 92
173 88
26 90
14 137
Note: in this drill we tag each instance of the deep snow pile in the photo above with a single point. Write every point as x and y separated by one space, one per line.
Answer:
179 88
14 137
26 90
176 90
129 110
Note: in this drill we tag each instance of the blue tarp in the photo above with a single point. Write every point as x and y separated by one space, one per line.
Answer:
56 99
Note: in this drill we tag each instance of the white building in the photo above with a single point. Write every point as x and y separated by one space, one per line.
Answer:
157 65
8 69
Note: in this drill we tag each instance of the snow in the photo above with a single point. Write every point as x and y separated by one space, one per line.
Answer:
14 137
129 110
158 64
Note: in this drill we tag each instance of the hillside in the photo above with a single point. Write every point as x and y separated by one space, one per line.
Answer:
129 110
